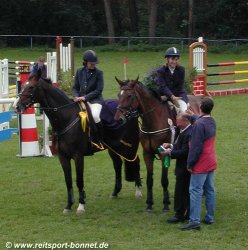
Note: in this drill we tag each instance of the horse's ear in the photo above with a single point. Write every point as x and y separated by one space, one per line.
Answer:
133 82
121 83
35 75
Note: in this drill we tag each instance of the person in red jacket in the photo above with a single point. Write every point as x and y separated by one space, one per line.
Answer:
201 163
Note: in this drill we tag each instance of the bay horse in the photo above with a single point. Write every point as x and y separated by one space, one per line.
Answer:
72 142
156 128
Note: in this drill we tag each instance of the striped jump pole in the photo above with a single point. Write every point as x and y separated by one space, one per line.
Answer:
233 81
224 73
198 63
22 62
228 82
228 64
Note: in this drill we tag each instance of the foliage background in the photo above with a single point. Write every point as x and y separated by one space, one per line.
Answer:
211 19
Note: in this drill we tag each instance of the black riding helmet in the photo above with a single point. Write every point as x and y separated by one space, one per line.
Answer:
90 56
171 52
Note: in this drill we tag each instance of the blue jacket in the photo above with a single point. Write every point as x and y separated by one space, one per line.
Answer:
172 84
202 158
89 83
180 151
43 69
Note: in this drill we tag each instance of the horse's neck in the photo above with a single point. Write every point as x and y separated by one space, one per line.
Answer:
59 113
153 113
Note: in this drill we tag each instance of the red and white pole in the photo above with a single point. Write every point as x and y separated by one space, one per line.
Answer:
125 60
29 144
28 141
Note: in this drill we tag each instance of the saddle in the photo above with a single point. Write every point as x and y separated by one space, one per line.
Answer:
123 140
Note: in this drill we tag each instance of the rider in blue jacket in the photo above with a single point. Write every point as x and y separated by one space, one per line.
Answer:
88 85
170 80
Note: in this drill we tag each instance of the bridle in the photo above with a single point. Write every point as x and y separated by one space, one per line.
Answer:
32 101
128 111
132 113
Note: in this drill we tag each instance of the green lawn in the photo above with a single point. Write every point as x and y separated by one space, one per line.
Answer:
33 192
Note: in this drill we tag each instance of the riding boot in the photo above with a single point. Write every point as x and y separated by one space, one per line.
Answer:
99 131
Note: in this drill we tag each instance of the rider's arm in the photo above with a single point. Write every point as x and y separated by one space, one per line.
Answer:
163 88
76 86
98 91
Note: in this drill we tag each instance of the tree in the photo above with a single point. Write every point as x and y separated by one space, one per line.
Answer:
133 16
190 22
152 4
109 19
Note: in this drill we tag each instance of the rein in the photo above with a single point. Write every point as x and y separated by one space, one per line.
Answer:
46 108
150 110
72 124
130 113
57 108
161 131
69 126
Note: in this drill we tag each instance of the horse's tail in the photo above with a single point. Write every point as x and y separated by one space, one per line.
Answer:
132 170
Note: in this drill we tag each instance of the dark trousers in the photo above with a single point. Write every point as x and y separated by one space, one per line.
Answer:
181 197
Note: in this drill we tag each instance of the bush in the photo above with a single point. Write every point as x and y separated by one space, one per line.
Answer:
189 78
65 82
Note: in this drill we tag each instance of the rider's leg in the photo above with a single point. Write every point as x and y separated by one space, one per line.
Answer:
183 105
95 110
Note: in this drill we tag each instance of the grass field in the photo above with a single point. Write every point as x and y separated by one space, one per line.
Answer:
33 192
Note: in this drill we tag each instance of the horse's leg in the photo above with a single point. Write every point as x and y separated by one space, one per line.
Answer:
136 164
148 158
66 165
117 163
165 184
79 164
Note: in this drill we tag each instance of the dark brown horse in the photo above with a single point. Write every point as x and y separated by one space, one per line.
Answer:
155 130
72 142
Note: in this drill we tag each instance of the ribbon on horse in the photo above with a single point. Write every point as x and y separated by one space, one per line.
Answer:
84 116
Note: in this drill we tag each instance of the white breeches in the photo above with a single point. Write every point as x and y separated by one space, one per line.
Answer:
95 110
183 106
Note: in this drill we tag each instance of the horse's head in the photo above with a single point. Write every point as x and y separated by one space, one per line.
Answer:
29 94
128 103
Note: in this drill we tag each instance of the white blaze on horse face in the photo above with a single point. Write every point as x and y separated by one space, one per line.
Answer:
122 92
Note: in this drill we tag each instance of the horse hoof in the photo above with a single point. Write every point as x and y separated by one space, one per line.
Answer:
138 194
80 209
66 211
113 197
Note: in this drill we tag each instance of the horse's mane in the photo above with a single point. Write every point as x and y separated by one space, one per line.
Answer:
57 90
152 90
